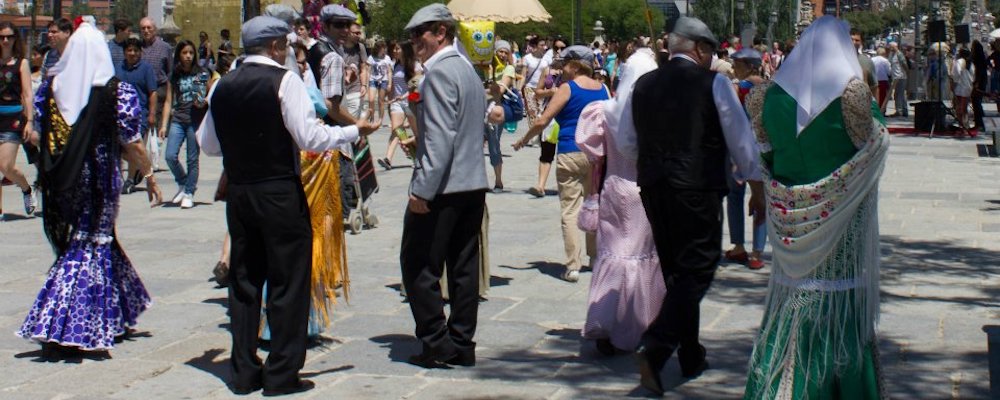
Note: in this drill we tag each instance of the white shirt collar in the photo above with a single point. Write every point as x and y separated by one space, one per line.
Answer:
437 56
684 56
259 59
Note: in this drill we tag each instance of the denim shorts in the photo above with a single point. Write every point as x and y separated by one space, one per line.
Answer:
382 85
11 137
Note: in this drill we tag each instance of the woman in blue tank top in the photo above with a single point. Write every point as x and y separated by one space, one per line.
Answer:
572 166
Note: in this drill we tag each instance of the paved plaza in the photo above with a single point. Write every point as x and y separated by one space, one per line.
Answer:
940 225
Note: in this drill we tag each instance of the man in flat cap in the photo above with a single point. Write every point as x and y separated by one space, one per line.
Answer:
327 62
259 117
684 135
441 227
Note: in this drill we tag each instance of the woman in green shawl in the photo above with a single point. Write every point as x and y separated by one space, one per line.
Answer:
823 143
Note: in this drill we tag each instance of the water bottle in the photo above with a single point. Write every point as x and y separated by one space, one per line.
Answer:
510 126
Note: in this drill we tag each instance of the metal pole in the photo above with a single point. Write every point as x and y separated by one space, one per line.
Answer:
577 22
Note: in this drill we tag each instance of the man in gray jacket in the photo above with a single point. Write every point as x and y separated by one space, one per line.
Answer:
447 195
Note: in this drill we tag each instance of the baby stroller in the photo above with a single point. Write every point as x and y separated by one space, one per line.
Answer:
357 175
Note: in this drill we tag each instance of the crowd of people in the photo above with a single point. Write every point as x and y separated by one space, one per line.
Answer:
641 174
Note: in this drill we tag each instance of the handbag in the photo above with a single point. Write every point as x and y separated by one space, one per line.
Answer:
551 132
589 217
513 106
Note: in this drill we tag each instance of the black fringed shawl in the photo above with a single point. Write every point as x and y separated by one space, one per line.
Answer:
59 167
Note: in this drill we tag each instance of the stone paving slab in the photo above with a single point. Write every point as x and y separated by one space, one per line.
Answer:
940 214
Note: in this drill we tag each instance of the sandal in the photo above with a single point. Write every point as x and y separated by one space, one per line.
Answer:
741 257
536 192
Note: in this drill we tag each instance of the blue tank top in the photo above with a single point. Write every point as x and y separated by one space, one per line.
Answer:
570 114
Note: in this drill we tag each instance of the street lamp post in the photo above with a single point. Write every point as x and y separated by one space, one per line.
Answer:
740 6
771 19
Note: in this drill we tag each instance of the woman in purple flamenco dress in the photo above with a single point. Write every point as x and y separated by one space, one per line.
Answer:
88 122
627 287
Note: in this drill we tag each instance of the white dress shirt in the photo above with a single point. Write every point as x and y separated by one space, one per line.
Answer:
736 128
298 114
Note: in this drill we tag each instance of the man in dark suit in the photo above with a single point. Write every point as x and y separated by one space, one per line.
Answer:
259 118
447 195
688 119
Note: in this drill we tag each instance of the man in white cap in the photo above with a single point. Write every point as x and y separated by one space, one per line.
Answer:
684 136
441 228
259 117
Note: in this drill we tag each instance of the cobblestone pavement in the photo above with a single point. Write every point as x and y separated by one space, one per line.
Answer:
940 224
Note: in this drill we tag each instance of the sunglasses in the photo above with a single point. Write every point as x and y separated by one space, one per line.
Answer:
341 24
10 37
559 48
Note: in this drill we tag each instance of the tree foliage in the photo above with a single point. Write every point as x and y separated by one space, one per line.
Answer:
389 17
79 9
621 19
873 24
129 10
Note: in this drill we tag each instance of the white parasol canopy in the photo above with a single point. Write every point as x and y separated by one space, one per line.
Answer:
995 34
509 11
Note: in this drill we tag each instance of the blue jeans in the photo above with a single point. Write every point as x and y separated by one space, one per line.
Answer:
180 133
493 133
734 211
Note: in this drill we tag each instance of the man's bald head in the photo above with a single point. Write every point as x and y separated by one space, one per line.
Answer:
147 28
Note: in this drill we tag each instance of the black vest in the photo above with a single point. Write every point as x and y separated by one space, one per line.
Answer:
256 147
314 57
680 138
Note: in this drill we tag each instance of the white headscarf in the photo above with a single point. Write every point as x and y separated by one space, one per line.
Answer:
618 111
85 63
819 68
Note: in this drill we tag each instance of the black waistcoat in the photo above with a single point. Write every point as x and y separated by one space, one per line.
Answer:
256 146
680 138
314 57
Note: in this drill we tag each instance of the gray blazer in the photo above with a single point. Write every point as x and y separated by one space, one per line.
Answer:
450 116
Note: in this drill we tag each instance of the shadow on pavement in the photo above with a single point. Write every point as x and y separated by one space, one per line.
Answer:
552 269
210 363
927 262
400 347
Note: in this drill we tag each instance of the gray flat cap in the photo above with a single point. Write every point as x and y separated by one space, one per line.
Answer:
578 52
501 45
283 12
430 13
694 29
258 29
336 12
747 54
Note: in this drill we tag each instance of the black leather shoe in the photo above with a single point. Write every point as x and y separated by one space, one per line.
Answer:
605 347
302 386
463 359
243 391
650 364
693 361
430 360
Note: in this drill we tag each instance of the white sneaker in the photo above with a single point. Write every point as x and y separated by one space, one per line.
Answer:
178 197
571 276
187 201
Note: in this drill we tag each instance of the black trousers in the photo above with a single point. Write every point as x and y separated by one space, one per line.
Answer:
445 240
687 230
272 242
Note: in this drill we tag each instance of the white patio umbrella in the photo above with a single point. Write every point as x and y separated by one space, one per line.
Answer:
509 11
995 34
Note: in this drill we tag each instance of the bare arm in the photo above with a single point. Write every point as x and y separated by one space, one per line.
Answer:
165 118
555 106
135 154
27 100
